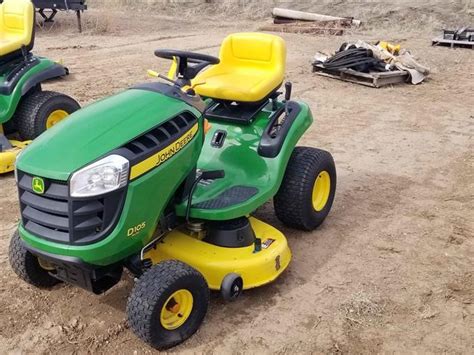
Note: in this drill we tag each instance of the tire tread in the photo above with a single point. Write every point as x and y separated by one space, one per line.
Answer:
26 266
290 201
26 115
140 306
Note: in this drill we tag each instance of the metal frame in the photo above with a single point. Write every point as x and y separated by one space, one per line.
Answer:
54 6
463 37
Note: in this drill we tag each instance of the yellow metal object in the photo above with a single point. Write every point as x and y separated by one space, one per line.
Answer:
195 84
164 154
152 73
8 157
185 88
176 310
321 190
392 48
16 25
255 267
172 72
207 126
252 66
55 117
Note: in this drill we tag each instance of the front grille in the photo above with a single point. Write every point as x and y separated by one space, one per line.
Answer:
57 217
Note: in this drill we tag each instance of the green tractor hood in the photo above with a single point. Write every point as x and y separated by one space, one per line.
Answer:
94 131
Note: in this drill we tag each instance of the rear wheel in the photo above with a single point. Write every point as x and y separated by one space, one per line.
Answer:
307 192
168 304
28 267
42 110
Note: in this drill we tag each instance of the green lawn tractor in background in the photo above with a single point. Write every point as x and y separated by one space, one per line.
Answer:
25 110
162 179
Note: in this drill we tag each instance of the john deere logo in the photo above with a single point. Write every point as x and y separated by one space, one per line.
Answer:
38 185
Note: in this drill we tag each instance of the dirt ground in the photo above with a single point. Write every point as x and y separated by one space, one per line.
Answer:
391 269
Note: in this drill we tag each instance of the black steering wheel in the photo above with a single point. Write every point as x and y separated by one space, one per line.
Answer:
192 57
186 71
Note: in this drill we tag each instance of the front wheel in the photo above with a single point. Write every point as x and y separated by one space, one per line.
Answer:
41 110
168 304
307 192
28 267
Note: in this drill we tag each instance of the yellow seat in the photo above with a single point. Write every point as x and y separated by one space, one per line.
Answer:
252 67
16 26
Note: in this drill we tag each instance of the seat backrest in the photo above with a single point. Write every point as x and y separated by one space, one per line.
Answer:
17 21
252 50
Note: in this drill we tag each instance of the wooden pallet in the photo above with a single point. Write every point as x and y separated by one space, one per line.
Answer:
373 79
440 41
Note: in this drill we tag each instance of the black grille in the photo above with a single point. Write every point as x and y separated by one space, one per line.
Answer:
157 138
57 217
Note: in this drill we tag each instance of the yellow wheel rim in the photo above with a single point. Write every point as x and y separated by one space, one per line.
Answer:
55 117
321 190
176 309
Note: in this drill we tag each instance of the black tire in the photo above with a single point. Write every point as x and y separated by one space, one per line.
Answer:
26 265
294 203
231 287
152 291
10 126
34 109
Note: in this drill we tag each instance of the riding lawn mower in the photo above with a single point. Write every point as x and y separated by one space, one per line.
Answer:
25 109
162 179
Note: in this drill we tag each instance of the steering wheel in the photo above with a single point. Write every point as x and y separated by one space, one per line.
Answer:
192 57
187 71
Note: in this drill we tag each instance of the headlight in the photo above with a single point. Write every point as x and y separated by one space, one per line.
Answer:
105 175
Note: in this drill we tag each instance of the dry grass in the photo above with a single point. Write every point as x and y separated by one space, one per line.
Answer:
98 25
363 309
93 23
191 9
402 15
426 312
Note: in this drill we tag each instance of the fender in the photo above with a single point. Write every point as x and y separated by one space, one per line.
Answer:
55 71
255 163
14 76
14 87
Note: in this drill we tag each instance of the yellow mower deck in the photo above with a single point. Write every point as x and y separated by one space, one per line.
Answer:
8 157
214 262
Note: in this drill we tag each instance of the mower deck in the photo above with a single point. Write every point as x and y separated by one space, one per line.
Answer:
8 156
256 267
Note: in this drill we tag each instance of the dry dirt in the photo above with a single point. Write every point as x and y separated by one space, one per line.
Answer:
391 269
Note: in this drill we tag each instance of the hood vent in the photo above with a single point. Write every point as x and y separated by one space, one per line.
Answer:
157 138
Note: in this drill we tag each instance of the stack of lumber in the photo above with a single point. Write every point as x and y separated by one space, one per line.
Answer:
285 20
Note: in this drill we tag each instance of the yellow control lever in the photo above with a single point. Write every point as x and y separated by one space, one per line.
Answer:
152 73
